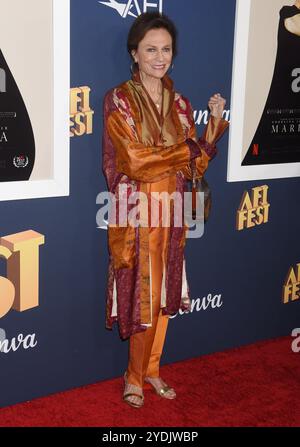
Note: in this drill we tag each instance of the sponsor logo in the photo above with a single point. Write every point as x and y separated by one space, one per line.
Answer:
20 289
255 149
253 210
133 8
201 116
24 341
296 342
2 336
81 114
20 161
291 288
201 304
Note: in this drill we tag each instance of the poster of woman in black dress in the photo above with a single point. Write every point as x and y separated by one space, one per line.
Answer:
264 139
277 138
34 98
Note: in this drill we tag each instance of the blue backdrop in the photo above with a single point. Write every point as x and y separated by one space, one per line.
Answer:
243 271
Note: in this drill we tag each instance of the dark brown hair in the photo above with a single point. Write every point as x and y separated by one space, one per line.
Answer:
144 23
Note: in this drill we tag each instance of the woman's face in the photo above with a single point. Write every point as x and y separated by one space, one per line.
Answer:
154 53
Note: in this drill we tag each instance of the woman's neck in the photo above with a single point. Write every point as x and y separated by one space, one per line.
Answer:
153 85
297 4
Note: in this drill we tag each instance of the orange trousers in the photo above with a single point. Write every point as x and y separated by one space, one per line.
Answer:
145 348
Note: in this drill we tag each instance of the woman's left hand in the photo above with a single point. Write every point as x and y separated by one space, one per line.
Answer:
216 105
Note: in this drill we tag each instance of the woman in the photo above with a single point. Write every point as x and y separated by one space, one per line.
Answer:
149 139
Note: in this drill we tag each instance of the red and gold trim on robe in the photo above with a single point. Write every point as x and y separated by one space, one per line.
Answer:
142 147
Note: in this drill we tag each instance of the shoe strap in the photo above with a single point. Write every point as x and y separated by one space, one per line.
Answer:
129 387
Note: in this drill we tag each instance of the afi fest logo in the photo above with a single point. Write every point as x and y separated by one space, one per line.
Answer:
19 290
81 114
253 210
133 8
291 288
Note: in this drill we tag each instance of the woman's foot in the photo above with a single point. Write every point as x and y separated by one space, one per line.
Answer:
161 388
133 395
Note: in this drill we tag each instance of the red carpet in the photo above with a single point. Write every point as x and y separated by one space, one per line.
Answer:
255 385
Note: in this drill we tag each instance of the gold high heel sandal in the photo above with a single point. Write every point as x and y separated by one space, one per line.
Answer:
162 390
132 390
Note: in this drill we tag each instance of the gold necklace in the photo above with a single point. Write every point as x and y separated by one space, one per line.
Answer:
157 98
157 102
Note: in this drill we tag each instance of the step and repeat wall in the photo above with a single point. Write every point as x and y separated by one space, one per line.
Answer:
243 273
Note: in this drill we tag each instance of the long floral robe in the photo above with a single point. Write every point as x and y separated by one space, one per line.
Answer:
141 147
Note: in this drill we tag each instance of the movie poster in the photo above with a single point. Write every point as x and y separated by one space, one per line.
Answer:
265 117
29 84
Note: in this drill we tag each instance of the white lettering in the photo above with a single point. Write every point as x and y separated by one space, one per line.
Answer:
202 116
153 5
132 7
3 137
2 81
119 437
129 6
296 82
296 343
198 304
27 342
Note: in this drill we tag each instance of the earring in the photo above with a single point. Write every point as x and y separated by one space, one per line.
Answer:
172 66
133 64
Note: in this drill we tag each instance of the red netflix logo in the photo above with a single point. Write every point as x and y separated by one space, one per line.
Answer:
255 149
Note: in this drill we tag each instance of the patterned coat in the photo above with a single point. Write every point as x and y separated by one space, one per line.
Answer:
141 146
